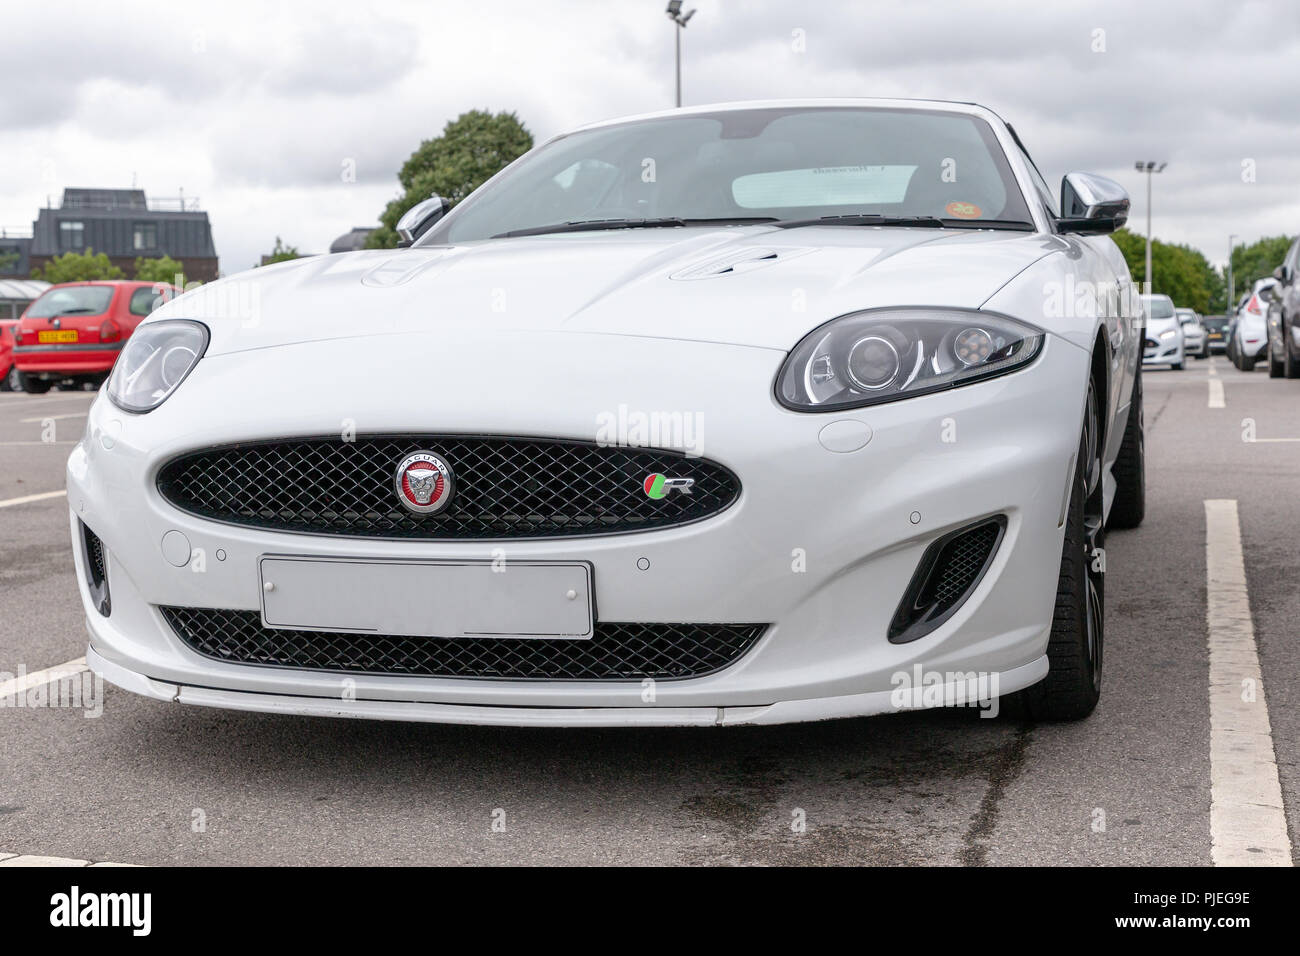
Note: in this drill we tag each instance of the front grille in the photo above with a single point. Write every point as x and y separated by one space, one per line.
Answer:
616 652
504 487
947 574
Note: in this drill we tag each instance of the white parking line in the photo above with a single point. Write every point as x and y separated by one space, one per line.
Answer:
1247 818
21 685
26 499
53 418
10 859
1216 393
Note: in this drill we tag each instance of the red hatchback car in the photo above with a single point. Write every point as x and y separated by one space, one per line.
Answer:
74 331
8 371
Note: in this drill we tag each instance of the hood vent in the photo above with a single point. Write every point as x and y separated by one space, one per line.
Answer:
737 260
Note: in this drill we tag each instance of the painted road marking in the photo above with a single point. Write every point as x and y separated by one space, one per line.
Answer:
21 685
1247 819
1216 393
10 859
52 418
25 499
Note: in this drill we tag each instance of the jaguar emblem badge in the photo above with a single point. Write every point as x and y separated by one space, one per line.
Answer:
423 483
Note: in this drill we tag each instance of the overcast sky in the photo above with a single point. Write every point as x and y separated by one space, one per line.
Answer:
255 108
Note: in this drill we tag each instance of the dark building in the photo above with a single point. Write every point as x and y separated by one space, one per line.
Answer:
123 225
352 241
15 256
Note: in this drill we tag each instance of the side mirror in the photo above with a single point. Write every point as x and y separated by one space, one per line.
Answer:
420 218
1091 204
1282 274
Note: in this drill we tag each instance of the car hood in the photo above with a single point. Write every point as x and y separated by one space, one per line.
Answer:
746 286
1156 326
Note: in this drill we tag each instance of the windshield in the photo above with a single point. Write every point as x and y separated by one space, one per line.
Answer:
72 300
1159 306
745 165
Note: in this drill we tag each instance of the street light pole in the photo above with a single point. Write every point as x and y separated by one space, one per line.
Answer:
1149 167
679 20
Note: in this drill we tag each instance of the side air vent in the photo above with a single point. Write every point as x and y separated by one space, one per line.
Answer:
949 571
95 558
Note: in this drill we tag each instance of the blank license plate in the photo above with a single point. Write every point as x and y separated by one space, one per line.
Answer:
530 599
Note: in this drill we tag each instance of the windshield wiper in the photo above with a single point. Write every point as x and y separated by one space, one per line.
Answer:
593 225
80 310
932 222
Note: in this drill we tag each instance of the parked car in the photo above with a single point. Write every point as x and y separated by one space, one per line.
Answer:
648 564
9 377
1194 340
1164 333
1284 318
1216 333
74 331
1249 341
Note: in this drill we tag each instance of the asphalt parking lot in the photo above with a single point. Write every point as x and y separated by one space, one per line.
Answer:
155 783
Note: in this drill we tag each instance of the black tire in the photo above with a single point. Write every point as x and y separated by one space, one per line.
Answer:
1072 687
1274 365
1176 366
10 377
1130 468
32 385
1290 366
1247 364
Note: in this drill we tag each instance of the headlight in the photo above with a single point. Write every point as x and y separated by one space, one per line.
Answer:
1168 333
881 356
156 360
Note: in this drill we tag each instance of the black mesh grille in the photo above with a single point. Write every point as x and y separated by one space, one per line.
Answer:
504 487
959 564
95 555
945 577
616 652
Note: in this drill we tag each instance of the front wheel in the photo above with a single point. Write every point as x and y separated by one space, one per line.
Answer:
1176 366
1247 364
1072 687
1275 369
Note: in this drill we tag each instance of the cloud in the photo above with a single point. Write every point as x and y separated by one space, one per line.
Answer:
256 108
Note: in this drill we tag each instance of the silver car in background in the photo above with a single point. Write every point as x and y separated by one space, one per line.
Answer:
1194 336
1164 338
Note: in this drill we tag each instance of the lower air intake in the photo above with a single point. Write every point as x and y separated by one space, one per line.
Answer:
949 571
616 652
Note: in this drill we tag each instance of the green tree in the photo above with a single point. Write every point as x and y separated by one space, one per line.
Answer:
281 253
1257 261
1181 272
163 269
472 148
7 261
78 267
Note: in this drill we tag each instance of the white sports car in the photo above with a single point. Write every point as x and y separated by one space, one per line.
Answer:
750 413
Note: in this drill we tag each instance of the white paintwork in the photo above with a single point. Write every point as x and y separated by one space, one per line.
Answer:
541 335
1247 818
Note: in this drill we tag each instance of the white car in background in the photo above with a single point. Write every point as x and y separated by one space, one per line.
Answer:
1249 341
1194 335
1164 333
734 414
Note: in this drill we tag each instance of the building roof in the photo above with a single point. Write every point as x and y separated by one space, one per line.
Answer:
353 240
74 198
21 290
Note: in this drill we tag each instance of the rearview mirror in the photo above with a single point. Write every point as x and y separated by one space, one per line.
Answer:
1092 204
420 218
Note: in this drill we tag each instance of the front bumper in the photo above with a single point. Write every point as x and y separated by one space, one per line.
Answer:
1163 354
820 546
